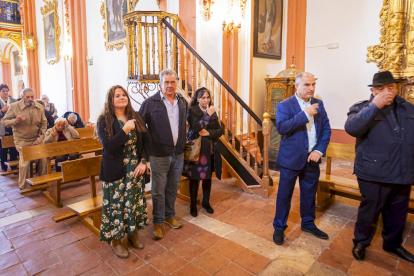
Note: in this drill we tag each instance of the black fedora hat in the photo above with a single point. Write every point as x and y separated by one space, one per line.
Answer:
383 78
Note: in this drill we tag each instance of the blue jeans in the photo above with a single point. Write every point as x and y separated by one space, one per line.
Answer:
308 184
166 176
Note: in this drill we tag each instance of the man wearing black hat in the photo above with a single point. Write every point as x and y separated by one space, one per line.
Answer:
384 128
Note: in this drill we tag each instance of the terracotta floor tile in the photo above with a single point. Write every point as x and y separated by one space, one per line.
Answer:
125 266
101 270
188 250
336 260
81 232
405 268
228 249
382 260
189 230
8 259
19 270
252 261
41 262
210 261
342 245
92 242
53 230
217 211
229 218
255 204
250 225
42 223
70 251
190 269
262 217
151 250
8 212
84 262
206 239
105 252
266 232
3 237
292 233
243 211
32 250
6 204
61 240
294 217
168 262
57 271
19 231
145 270
366 269
5 247
233 269
172 238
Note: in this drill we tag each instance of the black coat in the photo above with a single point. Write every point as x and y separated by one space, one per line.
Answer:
112 166
198 120
155 116
385 145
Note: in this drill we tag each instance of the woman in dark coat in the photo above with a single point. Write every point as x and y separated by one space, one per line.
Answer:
126 143
203 120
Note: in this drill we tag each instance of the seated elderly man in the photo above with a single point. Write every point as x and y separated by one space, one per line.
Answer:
74 119
62 131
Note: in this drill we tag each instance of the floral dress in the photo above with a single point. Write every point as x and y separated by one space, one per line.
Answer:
124 206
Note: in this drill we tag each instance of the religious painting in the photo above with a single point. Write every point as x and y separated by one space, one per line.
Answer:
267 32
112 12
18 70
51 31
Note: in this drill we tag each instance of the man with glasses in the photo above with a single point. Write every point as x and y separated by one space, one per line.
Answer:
384 128
165 115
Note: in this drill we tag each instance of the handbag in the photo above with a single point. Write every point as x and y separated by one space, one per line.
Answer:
192 150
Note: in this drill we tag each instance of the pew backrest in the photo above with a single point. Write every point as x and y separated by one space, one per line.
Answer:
7 142
85 132
340 151
81 168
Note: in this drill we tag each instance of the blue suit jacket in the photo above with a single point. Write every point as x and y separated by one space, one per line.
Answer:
291 124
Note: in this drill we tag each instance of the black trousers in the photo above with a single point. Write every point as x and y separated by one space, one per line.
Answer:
390 200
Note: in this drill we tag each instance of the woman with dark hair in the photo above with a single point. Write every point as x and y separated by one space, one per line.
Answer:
126 143
203 121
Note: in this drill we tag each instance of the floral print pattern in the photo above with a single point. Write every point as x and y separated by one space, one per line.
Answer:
124 207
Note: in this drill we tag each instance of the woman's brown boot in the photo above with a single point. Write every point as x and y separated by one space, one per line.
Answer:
119 249
135 240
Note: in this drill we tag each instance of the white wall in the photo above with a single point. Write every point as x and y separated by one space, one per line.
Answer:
52 77
109 67
263 67
343 74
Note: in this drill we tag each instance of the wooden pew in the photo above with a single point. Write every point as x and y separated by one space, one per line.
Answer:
8 142
330 186
84 168
85 132
48 151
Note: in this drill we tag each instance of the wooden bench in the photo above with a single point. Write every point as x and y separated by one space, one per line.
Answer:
85 132
48 151
83 168
8 142
330 186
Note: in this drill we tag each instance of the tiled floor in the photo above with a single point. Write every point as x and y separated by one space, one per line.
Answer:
235 240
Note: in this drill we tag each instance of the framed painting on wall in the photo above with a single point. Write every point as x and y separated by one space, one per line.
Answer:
51 31
267 28
18 70
112 12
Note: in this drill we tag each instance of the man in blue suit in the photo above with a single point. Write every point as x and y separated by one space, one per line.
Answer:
304 126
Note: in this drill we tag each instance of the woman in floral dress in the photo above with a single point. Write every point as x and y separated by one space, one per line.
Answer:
203 121
126 143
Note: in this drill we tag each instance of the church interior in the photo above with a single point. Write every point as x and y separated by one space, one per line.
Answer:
247 53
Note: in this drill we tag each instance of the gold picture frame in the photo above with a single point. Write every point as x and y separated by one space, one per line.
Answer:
114 26
51 31
18 69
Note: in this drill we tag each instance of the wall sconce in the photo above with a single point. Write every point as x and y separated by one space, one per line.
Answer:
207 8
233 18
229 27
30 42
23 63
243 6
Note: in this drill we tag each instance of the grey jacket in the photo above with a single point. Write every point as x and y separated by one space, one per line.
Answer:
2 128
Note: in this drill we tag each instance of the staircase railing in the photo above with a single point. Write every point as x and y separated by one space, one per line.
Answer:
166 48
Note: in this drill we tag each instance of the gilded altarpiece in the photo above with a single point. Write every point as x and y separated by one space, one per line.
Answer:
395 52
277 89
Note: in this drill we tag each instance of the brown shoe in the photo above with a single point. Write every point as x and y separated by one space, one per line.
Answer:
174 223
119 249
134 239
158 233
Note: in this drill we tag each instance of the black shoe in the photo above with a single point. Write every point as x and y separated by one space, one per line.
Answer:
278 237
316 232
208 208
401 252
359 251
193 210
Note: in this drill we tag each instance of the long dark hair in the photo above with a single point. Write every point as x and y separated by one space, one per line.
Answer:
199 94
109 112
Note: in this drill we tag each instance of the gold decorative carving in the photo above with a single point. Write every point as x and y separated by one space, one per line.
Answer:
13 36
207 8
30 42
67 18
243 7
51 8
